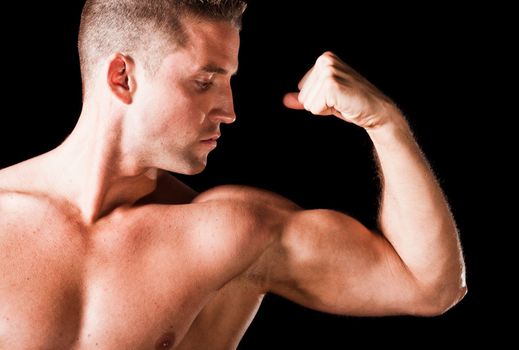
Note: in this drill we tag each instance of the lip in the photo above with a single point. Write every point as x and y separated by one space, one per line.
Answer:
213 138
211 142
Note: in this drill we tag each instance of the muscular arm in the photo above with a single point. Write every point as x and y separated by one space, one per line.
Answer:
415 217
328 261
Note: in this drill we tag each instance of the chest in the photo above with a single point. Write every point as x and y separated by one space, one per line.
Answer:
125 288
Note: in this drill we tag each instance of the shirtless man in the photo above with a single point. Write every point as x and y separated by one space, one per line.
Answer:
100 247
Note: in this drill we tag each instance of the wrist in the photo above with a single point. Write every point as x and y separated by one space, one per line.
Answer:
394 126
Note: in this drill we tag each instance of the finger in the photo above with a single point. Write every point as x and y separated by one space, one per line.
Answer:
308 85
311 93
290 100
302 81
315 101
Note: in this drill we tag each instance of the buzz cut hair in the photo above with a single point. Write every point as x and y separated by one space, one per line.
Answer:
143 29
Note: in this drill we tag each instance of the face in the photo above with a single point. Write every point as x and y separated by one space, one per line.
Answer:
176 112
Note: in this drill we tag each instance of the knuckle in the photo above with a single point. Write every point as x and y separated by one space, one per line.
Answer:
329 74
327 66
329 54
327 63
327 57
335 83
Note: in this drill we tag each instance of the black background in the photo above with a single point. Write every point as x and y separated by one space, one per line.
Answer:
433 60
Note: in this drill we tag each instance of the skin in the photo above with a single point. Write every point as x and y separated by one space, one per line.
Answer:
104 249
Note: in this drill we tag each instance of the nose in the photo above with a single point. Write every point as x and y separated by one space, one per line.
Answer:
224 112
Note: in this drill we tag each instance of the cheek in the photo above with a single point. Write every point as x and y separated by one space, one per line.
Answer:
175 119
169 108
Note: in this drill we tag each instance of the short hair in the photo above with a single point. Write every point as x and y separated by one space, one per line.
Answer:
143 28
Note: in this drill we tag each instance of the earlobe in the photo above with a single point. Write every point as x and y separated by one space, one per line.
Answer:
120 77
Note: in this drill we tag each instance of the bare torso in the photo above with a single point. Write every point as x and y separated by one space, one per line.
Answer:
150 276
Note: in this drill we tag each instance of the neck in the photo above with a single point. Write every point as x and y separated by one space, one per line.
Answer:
96 174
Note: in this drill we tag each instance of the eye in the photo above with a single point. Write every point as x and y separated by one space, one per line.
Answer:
203 85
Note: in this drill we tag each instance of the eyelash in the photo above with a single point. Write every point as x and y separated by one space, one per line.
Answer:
204 85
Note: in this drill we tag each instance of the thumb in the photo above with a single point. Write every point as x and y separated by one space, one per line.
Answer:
290 101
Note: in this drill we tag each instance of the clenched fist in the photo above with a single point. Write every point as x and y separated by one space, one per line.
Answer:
333 87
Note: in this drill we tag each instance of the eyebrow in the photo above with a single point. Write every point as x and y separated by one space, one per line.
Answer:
211 68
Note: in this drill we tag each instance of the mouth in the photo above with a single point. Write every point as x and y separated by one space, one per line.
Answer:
211 142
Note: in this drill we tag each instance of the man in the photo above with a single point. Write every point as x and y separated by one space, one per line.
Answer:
103 248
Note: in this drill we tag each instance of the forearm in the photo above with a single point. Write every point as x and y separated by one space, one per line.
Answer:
414 214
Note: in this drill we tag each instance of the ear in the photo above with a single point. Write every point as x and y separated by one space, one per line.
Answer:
121 77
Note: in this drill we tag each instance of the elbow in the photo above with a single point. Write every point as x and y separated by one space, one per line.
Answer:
438 301
438 295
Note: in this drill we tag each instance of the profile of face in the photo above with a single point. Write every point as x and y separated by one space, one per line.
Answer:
178 109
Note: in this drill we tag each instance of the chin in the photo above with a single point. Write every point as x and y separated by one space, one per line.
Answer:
195 171
189 168
185 164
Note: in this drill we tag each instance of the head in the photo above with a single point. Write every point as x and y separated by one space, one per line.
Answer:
161 70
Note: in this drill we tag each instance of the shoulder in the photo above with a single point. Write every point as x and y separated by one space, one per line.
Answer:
247 195
259 214
22 214
21 189
244 205
20 205
252 219
24 194
24 177
9 179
